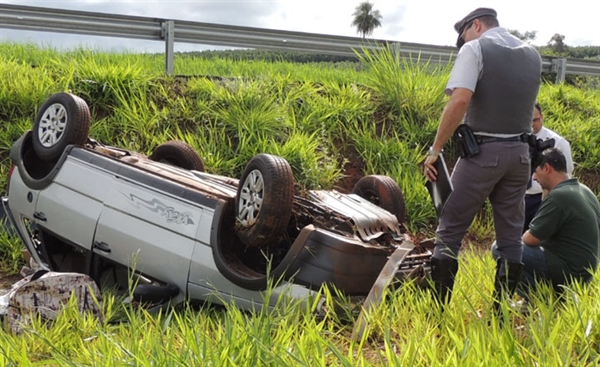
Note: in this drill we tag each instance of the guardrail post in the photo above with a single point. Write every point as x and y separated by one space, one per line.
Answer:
168 34
396 47
559 66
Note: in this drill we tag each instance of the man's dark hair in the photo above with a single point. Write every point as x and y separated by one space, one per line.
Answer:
489 21
539 107
555 158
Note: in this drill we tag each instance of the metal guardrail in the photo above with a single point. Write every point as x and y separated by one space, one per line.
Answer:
170 31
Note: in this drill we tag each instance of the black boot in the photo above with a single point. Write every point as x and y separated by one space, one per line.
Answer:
507 278
443 273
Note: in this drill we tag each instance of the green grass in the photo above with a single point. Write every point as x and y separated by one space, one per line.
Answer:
406 329
575 114
380 116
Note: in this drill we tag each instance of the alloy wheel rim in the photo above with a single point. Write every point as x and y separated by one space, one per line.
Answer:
251 198
52 125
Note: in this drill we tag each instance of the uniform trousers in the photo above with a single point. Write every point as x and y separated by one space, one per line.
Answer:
499 172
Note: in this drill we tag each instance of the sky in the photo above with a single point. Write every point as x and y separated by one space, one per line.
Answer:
415 21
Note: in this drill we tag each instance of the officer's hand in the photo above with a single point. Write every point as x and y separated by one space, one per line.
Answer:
429 170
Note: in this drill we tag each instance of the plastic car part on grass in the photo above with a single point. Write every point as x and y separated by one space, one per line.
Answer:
264 200
384 192
178 153
63 119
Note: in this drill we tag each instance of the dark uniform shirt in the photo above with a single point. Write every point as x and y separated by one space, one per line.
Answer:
568 225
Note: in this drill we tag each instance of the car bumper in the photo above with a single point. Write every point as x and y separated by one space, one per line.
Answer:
348 264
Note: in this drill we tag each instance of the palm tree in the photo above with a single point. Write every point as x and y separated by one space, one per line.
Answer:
366 19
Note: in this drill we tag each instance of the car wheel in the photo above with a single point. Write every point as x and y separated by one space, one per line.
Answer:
179 154
384 192
264 200
64 119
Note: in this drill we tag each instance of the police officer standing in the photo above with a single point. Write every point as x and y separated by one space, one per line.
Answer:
494 85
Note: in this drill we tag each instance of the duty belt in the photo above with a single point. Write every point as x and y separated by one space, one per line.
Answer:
491 139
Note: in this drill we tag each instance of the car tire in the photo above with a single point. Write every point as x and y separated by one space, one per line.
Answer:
264 200
64 119
384 192
178 153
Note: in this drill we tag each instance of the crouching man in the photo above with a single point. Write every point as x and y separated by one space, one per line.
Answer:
562 243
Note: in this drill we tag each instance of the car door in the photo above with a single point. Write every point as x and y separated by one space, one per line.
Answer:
149 230
71 205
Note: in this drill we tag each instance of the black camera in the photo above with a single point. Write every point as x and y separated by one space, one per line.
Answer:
536 147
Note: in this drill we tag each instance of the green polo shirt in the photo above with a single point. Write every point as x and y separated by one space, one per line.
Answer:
568 225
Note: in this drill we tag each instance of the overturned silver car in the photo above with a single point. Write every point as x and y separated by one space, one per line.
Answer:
81 206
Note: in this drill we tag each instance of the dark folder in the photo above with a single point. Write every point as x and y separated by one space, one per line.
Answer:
441 189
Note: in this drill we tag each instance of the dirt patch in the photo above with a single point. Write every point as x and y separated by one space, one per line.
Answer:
352 168
591 180
7 280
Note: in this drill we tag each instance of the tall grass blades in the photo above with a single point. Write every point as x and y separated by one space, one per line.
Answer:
257 69
23 88
101 79
405 329
11 258
313 165
250 114
410 89
575 114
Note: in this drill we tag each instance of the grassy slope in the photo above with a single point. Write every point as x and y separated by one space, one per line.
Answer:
377 117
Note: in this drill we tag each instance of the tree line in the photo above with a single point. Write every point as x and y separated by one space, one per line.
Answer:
557 46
